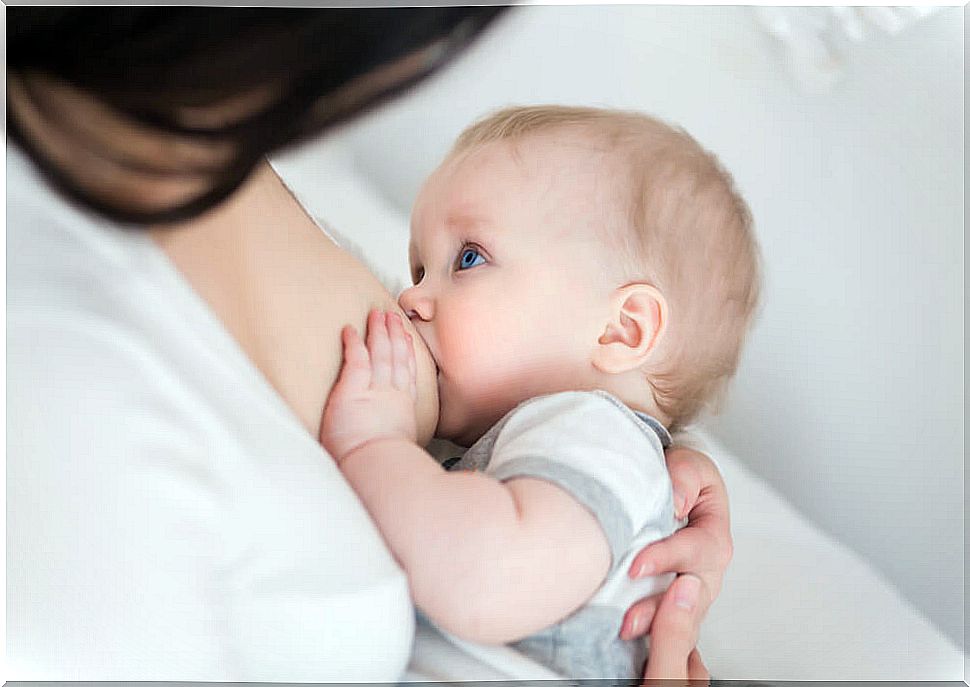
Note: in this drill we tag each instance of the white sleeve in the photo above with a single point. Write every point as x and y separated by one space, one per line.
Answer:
593 448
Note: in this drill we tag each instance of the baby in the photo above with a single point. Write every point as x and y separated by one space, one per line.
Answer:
584 279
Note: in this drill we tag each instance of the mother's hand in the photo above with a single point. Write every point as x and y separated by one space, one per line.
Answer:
703 549
673 635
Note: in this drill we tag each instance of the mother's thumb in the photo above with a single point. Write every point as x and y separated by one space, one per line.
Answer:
673 633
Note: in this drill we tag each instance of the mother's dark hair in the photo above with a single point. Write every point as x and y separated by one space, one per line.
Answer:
312 68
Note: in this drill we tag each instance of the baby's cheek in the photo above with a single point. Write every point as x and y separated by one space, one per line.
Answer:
487 382
468 368
472 357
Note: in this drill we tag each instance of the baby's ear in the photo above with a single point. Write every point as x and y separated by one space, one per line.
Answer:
635 323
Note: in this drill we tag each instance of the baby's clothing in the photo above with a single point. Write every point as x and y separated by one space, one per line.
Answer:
610 459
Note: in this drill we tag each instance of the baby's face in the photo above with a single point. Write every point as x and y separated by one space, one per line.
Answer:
509 293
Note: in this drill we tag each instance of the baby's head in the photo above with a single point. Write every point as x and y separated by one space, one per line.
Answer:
561 248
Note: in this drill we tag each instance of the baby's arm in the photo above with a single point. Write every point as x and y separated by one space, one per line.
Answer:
477 552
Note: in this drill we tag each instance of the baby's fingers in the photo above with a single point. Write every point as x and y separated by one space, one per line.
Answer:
379 347
355 373
399 352
412 369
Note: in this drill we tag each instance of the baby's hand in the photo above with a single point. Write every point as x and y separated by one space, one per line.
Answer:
375 394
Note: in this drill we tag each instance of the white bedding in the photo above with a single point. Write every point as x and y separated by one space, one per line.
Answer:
796 604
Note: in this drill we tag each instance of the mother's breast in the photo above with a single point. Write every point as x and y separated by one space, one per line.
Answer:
345 296
284 291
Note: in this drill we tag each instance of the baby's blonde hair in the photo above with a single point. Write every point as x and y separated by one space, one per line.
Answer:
688 233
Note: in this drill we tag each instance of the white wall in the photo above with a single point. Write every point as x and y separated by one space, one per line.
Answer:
850 397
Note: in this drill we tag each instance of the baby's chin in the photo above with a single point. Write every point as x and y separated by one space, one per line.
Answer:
464 418
460 431
458 437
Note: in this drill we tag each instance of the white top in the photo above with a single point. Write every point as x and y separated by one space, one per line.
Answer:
167 515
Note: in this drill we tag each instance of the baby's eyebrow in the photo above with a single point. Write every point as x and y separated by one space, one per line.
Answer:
463 221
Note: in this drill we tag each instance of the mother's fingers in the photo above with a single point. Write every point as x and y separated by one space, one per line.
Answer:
691 475
636 622
697 672
689 550
673 634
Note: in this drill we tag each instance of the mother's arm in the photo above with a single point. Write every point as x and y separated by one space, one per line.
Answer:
703 549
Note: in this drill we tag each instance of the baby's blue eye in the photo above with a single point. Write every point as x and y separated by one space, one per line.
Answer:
470 257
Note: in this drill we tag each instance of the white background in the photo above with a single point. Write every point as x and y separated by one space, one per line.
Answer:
850 395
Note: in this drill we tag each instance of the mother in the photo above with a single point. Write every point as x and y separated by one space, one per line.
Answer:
173 320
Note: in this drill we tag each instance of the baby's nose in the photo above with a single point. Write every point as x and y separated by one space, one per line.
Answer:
416 304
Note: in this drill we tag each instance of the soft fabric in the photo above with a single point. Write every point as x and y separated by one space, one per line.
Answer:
168 518
611 461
